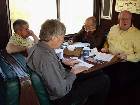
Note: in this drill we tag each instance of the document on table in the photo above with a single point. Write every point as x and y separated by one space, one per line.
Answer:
104 57
79 44
100 56
82 63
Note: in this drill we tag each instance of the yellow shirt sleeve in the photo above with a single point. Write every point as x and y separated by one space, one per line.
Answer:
135 57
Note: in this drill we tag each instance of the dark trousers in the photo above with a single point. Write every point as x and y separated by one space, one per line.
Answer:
94 87
123 74
2 93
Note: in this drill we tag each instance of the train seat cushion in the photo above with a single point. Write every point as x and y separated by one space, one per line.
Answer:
10 83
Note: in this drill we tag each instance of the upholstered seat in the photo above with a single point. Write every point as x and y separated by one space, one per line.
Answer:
11 85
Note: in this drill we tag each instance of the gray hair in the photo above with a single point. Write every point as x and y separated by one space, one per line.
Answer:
125 12
51 27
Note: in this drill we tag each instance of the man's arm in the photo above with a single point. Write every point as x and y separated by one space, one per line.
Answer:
105 48
35 39
134 57
11 48
99 39
34 36
78 36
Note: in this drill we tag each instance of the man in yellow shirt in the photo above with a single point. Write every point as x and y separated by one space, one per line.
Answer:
123 41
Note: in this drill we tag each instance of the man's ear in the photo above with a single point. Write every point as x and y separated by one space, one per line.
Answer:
53 38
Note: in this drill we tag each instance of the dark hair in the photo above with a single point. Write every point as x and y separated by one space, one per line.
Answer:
18 24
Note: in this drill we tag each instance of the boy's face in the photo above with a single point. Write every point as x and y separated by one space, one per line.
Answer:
24 31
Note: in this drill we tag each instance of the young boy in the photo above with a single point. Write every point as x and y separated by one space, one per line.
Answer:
20 41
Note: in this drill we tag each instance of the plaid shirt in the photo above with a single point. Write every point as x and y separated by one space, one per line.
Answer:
18 40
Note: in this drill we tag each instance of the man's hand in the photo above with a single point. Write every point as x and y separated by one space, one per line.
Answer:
31 33
78 69
122 56
11 48
70 62
70 41
104 50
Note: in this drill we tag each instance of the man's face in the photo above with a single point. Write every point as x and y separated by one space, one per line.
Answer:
58 40
24 31
90 25
125 21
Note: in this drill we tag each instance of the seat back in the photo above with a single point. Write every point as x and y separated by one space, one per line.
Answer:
10 88
10 85
39 88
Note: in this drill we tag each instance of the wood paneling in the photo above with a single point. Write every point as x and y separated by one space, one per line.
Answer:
106 24
4 27
136 20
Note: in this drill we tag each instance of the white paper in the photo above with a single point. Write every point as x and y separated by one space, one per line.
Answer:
59 53
93 52
104 57
58 50
100 56
65 43
79 44
71 47
82 63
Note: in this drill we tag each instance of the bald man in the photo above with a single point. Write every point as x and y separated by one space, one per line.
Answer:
90 33
124 41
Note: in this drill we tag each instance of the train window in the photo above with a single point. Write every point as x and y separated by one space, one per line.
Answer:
74 12
34 11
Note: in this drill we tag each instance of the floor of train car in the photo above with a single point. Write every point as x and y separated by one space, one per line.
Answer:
128 96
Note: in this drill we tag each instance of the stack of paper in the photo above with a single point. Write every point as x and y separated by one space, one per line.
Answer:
79 44
103 57
82 63
100 56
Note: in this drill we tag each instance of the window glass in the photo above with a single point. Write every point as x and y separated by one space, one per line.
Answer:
34 11
74 12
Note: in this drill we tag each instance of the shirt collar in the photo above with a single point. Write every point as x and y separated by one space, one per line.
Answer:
45 46
18 36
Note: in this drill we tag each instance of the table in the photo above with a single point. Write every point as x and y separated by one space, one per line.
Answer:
102 65
98 66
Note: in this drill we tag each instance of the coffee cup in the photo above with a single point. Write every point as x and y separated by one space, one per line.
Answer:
86 51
